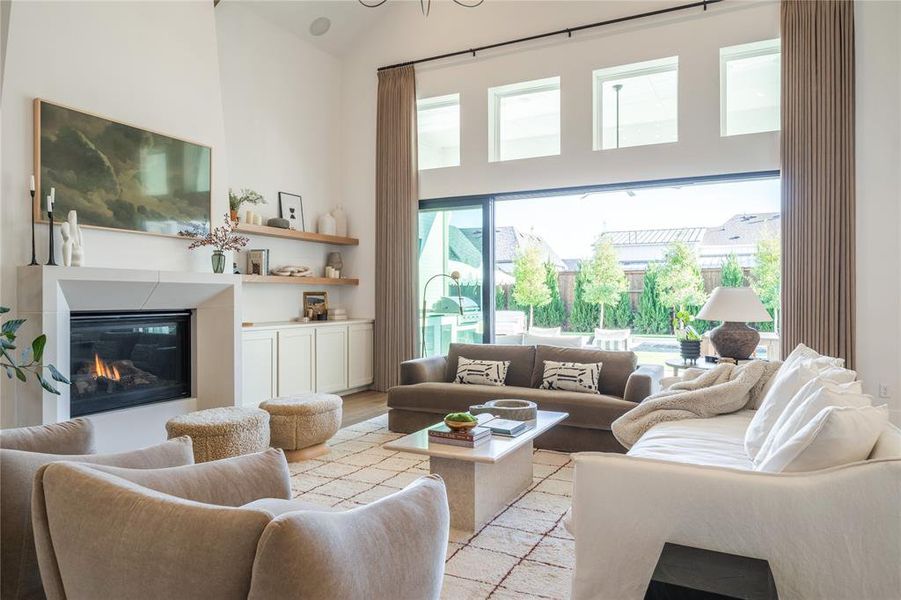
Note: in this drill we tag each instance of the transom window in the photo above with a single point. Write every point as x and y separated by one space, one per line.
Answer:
438 122
524 120
636 104
750 87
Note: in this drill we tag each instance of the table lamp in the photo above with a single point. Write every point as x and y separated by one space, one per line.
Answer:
734 306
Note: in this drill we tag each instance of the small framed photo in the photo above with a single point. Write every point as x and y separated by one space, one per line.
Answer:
315 305
258 262
290 207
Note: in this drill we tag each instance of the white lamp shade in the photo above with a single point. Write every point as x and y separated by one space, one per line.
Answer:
739 304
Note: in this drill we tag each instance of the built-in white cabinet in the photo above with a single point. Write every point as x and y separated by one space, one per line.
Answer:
296 361
260 360
290 358
359 355
331 359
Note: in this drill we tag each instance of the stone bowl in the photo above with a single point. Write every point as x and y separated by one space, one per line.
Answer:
515 410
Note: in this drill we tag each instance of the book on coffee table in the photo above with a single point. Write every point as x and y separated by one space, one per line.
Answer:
507 427
470 438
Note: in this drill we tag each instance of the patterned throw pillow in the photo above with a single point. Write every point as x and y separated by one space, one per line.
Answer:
572 377
481 372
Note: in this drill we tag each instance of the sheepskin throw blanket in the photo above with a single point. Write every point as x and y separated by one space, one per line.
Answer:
724 389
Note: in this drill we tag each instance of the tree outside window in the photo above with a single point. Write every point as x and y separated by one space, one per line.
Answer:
605 281
679 282
531 287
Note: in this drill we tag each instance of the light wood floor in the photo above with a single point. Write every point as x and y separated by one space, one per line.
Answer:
362 406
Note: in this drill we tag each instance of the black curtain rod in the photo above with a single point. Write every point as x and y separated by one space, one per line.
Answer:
568 31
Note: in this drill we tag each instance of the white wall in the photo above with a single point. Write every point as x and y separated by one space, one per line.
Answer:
153 64
281 98
878 64
695 36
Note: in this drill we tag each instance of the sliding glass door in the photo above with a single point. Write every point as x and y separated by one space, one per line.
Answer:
539 261
452 256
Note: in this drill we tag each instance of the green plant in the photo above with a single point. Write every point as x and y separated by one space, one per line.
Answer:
584 316
552 314
30 358
679 282
652 317
246 196
685 332
620 317
605 280
731 273
766 278
531 287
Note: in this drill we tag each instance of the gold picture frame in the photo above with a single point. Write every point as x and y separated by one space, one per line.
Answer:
181 169
317 302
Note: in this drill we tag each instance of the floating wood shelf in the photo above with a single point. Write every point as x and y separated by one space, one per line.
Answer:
298 280
306 236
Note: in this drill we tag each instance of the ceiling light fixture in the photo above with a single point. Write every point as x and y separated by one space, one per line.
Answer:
424 5
320 26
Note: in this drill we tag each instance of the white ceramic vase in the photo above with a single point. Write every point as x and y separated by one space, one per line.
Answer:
327 225
340 221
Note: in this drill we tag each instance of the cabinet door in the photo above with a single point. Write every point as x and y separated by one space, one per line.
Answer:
331 359
260 360
296 361
359 355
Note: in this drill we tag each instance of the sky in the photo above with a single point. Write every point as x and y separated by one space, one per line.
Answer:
570 224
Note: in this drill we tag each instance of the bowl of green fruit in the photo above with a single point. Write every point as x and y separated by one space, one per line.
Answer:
460 421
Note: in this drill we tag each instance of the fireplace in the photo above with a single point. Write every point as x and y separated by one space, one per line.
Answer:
123 359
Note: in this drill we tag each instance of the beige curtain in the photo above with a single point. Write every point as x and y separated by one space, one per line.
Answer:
396 206
818 176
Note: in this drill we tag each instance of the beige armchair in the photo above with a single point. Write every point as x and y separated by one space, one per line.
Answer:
22 452
206 531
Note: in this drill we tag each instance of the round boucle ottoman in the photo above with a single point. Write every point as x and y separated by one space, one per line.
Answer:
301 425
223 432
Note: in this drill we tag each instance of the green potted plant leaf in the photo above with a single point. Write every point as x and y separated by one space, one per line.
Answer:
30 361
245 196
688 337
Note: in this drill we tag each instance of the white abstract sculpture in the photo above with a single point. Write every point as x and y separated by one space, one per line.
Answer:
73 242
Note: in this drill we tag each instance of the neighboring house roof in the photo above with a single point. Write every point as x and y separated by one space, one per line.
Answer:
747 229
572 264
462 249
509 240
641 237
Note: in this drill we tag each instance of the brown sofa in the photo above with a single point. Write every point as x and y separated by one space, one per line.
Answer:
427 393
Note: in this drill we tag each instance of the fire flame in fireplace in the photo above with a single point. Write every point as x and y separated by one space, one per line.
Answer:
101 369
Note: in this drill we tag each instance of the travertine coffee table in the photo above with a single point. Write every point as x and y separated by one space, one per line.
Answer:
480 481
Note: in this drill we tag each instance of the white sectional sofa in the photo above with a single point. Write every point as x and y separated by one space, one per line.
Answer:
828 534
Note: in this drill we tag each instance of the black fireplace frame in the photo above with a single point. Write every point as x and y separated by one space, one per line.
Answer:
129 399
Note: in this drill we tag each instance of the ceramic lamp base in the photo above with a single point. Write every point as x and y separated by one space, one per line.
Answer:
734 340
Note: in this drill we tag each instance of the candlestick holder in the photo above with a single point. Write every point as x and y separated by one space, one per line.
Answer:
51 261
34 259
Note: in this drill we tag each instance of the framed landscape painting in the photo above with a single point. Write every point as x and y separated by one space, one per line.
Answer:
118 176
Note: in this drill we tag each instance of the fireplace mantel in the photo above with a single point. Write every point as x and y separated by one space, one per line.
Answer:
47 295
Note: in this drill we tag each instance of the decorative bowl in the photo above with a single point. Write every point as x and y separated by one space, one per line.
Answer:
460 425
515 410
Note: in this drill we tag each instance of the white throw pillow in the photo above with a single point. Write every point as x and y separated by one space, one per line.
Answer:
570 376
802 365
801 352
817 394
551 331
562 341
481 372
838 435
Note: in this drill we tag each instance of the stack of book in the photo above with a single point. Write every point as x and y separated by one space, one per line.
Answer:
469 438
337 314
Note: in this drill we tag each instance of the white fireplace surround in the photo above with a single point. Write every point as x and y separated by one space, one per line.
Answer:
47 296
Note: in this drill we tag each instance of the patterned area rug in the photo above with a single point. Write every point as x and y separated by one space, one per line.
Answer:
523 553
